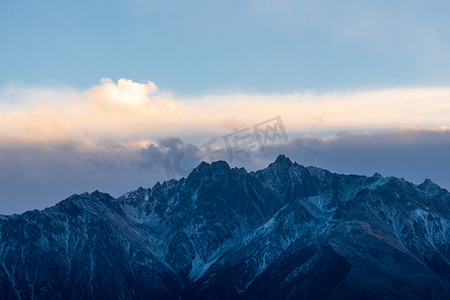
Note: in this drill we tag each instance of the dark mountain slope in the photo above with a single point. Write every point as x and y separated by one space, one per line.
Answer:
287 231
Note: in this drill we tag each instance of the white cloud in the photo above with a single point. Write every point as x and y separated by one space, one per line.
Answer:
124 92
131 111
114 136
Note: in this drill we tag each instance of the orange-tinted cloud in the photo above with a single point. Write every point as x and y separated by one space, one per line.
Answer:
130 111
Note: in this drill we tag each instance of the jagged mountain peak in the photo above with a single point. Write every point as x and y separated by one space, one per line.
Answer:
284 231
377 175
282 166
283 161
431 188
77 203
89 197
214 166
282 157
428 183
208 169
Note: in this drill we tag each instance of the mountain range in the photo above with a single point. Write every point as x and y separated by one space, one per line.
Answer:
287 232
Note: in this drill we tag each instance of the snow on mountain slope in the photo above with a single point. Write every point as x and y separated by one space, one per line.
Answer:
286 231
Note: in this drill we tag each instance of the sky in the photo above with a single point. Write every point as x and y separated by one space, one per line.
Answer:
113 95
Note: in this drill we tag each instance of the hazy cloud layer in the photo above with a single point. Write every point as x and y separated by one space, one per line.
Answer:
116 137
37 176
40 176
131 111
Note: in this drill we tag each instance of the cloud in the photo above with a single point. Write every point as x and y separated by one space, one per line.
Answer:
117 136
125 92
414 154
109 111
411 153
127 111
37 176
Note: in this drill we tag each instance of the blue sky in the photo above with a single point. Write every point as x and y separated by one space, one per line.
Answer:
192 47
98 94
